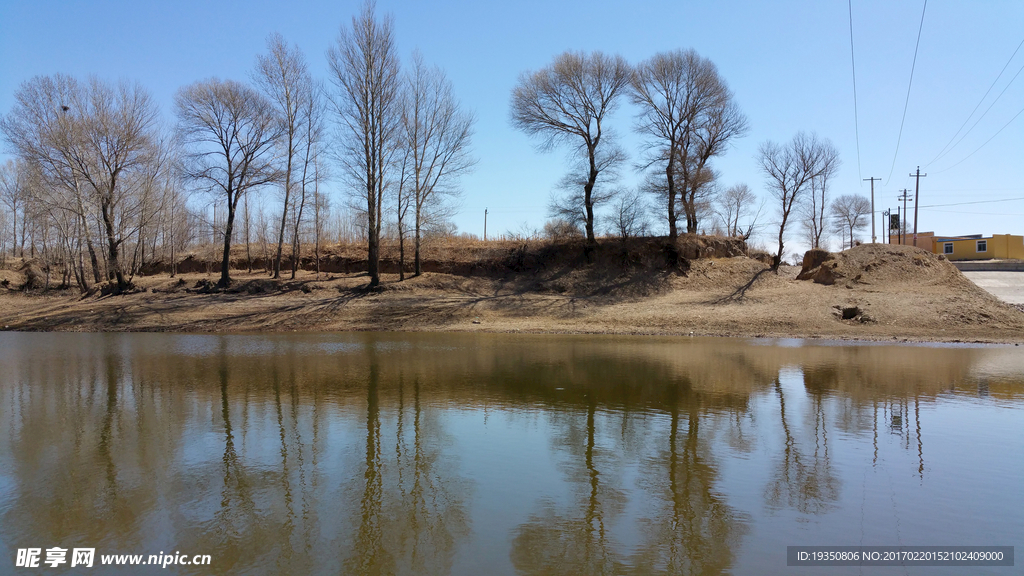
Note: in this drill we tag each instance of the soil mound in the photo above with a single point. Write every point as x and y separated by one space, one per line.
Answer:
35 279
881 264
462 257
694 247
813 260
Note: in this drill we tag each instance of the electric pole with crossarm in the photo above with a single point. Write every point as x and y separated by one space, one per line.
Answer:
903 224
872 179
917 199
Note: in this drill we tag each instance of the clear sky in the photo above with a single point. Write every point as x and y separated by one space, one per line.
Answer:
788 63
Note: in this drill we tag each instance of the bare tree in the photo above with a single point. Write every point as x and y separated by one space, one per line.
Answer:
121 156
688 112
13 192
850 213
365 68
436 134
734 204
403 199
565 203
96 139
568 102
629 216
789 169
312 170
229 131
816 208
43 129
321 212
284 78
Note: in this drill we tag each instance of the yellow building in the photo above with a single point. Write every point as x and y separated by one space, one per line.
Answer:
925 240
978 247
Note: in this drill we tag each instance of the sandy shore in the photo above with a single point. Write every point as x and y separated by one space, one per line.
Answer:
893 299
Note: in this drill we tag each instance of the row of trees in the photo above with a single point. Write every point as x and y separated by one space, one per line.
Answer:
406 134
687 115
97 176
99 181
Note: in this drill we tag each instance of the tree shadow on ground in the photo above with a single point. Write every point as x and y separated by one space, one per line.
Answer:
740 293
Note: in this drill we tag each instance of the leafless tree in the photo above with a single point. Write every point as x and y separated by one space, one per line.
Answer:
283 76
99 140
13 192
568 102
687 111
321 213
122 156
565 203
312 170
629 215
229 131
403 199
816 208
436 133
850 213
737 203
180 224
366 73
43 129
789 169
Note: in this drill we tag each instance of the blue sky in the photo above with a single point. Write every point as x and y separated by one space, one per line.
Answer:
788 63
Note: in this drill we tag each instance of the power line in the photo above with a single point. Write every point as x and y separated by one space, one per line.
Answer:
971 213
853 67
968 119
906 104
983 143
986 112
974 202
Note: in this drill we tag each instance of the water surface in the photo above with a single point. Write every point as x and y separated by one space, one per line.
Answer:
497 454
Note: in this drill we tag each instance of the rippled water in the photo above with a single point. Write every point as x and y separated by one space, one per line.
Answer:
497 454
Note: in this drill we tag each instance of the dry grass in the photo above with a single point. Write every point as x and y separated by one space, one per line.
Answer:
901 292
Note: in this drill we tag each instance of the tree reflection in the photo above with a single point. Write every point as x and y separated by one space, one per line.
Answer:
686 526
412 510
693 530
805 483
337 453
573 541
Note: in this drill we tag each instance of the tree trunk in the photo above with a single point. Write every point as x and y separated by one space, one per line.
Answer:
296 240
112 246
401 254
248 239
777 261
417 267
588 203
373 239
225 276
280 238
14 222
673 233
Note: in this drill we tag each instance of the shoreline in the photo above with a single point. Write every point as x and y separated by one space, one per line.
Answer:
702 303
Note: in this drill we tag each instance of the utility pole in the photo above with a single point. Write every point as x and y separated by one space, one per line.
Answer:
917 202
903 223
485 224
872 179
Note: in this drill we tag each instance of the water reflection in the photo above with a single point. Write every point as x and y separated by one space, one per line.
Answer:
439 454
803 477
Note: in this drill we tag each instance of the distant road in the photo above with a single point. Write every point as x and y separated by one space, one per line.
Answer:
1007 286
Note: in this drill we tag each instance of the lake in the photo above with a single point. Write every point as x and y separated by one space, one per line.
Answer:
381 453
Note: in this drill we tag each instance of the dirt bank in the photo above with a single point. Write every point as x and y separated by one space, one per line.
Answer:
874 292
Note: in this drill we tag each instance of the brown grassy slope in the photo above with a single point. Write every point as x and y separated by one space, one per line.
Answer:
899 292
